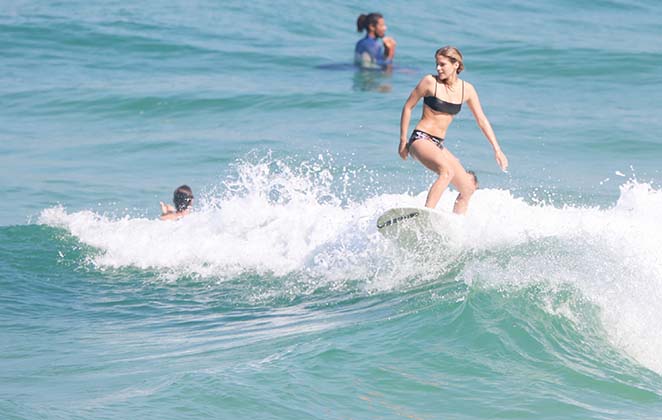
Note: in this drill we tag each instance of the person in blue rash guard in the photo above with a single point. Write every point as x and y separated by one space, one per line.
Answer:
374 51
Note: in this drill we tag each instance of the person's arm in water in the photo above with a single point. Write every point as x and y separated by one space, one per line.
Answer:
170 216
389 48
166 208
485 126
174 215
168 212
410 104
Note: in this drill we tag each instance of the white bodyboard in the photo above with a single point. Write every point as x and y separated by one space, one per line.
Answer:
412 224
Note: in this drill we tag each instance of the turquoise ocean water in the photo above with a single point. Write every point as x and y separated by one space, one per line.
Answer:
277 298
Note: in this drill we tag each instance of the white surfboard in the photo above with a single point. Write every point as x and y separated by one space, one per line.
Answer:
413 224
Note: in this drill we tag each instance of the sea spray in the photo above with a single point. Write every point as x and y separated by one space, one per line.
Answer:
275 220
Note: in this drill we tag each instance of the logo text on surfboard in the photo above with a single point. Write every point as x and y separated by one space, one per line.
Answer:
398 219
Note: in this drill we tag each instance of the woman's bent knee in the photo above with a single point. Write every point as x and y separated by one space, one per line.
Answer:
445 174
469 190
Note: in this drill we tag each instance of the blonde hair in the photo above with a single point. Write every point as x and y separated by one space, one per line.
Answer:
452 54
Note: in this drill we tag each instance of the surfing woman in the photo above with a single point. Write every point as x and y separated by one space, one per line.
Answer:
374 51
443 95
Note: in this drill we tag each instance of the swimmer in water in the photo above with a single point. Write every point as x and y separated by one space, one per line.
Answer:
375 50
183 200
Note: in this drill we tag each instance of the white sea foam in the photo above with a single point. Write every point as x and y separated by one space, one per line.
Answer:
611 256
271 219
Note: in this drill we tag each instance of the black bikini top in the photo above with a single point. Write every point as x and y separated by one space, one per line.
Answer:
443 106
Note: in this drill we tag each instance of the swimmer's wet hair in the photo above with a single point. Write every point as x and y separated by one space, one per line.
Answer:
182 198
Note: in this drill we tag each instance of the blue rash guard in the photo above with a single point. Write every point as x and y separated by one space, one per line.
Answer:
369 53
